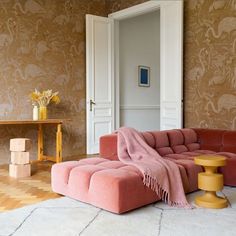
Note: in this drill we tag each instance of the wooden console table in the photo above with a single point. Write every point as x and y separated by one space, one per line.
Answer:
57 122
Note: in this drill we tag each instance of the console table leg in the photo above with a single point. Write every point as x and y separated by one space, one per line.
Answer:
59 144
40 142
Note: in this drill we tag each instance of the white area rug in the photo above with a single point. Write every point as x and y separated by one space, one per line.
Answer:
67 217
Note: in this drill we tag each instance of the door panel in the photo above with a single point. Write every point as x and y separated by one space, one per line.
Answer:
171 65
100 95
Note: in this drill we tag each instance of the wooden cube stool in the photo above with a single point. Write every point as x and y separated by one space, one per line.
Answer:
20 158
20 145
19 171
20 167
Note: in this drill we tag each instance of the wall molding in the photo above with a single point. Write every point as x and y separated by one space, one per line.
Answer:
139 107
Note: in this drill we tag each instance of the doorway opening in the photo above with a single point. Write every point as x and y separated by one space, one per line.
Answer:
139 52
106 108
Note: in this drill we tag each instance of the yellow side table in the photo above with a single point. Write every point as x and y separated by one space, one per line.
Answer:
210 181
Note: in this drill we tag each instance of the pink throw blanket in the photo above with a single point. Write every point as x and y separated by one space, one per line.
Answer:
161 175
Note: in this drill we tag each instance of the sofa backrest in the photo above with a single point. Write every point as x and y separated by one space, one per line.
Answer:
210 139
184 140
229 142
175 141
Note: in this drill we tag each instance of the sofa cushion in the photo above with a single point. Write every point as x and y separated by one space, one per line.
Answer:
226 154
183 155
175 137
162 144
161 139
179 148
149 138
108 146
204 152
177 141
229 142
190 139
193 146
210 139
164 151
189 135
229 171
190 154
192 171
176 156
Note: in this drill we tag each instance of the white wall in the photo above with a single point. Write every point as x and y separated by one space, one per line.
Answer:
140 45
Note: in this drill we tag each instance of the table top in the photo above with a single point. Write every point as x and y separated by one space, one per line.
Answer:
22 122
210 160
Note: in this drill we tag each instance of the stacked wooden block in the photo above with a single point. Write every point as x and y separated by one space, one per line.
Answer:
20 166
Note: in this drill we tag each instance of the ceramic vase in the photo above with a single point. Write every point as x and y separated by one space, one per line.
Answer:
43 113
35 113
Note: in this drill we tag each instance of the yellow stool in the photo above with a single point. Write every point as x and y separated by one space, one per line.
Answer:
210 181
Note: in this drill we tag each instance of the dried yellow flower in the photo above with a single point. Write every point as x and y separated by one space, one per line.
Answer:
43 98
55 99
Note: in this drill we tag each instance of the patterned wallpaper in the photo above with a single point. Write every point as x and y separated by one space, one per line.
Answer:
210 64
116 5
42 45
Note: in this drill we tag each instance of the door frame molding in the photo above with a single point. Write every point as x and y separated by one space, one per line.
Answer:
130 12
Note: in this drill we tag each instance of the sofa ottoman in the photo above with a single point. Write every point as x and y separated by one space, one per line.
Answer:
106 184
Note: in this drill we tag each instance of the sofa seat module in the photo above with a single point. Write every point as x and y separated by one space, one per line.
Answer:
106 184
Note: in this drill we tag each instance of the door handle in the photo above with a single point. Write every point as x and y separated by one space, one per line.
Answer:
91 103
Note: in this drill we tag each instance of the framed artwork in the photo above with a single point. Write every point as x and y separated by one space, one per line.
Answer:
144 76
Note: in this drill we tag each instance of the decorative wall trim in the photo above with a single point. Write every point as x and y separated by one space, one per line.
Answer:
139 107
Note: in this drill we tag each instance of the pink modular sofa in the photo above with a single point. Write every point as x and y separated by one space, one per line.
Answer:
107 183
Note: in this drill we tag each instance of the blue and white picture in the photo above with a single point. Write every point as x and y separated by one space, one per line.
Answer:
144 76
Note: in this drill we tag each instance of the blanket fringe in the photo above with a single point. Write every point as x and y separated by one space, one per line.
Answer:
154 185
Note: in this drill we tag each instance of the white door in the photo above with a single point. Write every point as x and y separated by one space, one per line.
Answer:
171 65
99 79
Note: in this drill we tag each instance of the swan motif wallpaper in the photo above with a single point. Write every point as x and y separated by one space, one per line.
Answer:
210 64
42 45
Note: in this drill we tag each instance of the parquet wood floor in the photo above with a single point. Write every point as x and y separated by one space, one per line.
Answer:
15 193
